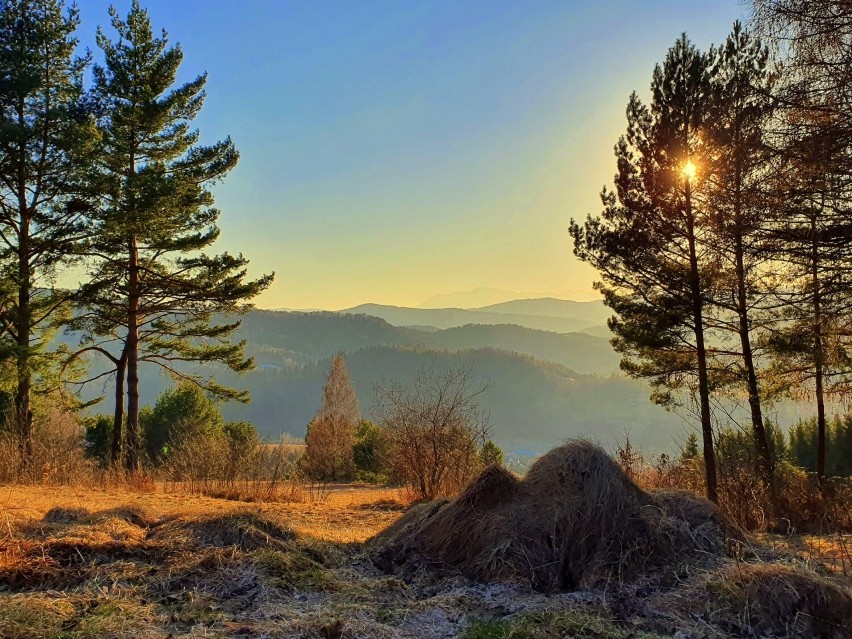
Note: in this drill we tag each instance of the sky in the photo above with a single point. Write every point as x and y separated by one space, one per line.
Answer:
393 151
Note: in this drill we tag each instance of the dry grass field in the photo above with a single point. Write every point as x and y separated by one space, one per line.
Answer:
336 514
78 563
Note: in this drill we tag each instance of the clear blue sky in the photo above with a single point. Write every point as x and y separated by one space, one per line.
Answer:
395 150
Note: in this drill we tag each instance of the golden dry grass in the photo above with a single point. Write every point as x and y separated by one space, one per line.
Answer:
339 514
832 552
79 563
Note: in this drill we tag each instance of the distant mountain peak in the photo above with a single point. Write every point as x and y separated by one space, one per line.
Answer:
474 298
484 297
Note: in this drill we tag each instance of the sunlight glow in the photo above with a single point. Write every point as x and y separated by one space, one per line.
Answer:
689 170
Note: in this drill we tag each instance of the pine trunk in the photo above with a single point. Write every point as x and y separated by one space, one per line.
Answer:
701 351
23 411
118 416
760 435
23 390
818 352
132 345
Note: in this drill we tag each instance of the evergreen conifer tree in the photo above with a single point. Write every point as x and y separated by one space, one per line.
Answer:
813 234
46 138
650 243
739 163
153 290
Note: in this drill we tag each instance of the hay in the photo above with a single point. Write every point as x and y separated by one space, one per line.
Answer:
575 520
244 530
768 599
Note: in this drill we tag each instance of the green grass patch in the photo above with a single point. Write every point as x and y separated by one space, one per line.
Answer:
295 570
580 623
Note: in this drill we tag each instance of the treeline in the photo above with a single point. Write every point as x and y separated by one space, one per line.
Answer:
102 174
724 246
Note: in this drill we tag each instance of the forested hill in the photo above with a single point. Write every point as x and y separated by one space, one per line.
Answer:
282 338
532 404
547 386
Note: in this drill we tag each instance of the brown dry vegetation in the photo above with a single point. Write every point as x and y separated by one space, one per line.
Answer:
81 562
671 560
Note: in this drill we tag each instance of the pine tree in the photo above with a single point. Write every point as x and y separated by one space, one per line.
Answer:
649 243
689 450
738 166
329 440
153 291
46 139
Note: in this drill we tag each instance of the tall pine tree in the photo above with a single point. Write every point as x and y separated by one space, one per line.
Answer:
154 291
812 196
46 139
649 242
739 164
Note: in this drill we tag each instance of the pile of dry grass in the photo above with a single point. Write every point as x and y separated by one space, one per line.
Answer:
68 543
574 520
764 600
60 550
244 530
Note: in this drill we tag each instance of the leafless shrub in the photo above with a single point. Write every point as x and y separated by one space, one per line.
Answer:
805 505
58 457
435 430
204 465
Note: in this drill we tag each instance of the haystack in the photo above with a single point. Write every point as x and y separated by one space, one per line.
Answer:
575 520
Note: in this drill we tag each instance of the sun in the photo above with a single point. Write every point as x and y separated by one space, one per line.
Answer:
689 169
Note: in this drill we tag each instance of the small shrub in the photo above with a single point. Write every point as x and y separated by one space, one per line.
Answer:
98 438
435 430
370 450
491 453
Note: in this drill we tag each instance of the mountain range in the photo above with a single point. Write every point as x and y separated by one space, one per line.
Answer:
483 296
286 338
546 385
549 314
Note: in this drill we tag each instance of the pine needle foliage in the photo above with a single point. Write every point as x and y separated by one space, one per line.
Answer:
155 294
46 142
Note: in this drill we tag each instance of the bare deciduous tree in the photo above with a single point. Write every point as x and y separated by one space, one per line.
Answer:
435 430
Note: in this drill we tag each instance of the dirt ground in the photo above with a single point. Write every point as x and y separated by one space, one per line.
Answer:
78 563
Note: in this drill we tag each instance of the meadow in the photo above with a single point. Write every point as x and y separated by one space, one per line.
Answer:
154 561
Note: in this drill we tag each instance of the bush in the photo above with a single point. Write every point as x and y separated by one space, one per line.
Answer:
434 430
264 472
58 452
97 439
180 415
805 506
491 453
370 449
